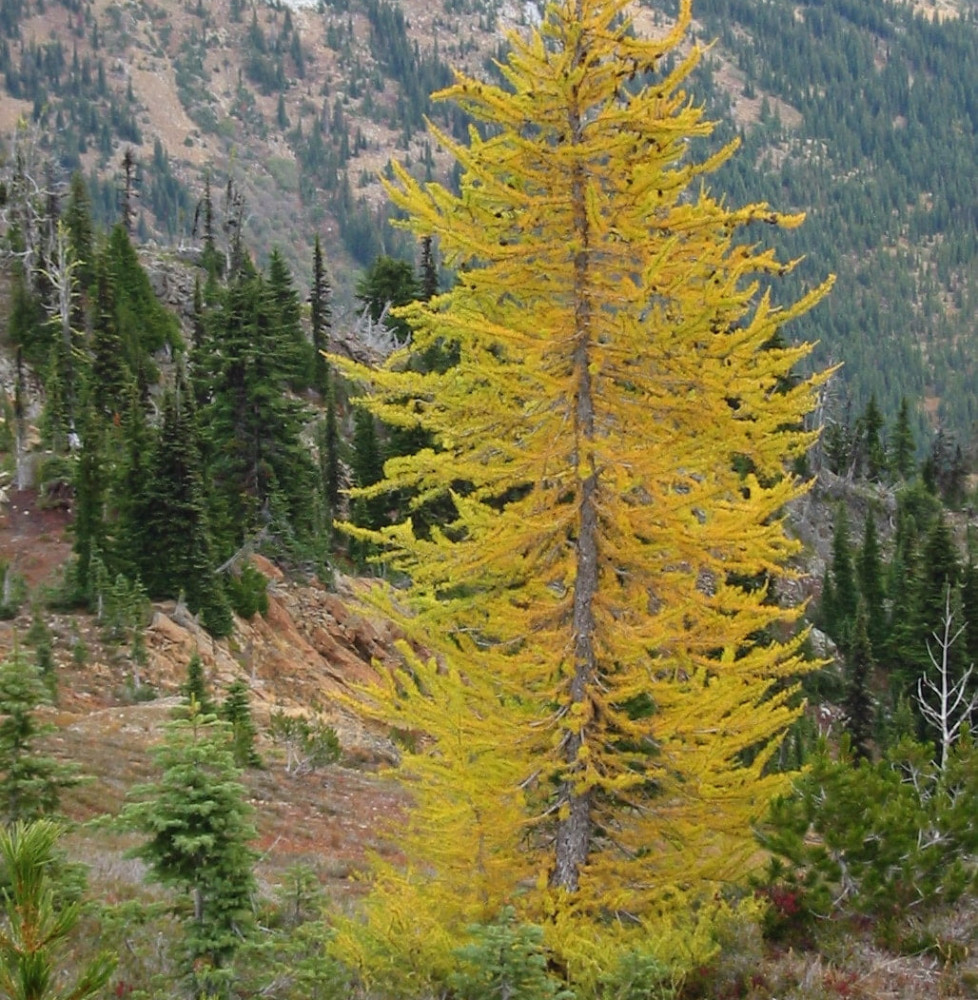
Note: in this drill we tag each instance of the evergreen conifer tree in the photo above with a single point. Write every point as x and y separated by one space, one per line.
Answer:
131 494
144 323
109 375
34 948
860 717
869 569
321 316
367 461
903 448
178 551
90 496
939 570
846 593
257 461
30 781
285 314
38 637
872 440
329 454
195 688
905 651
389 282
211 258
969 609
81 232
236 711
198 824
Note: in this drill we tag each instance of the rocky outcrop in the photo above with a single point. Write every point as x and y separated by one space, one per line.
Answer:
309 652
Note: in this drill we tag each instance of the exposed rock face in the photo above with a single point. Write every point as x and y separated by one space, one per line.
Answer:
309 651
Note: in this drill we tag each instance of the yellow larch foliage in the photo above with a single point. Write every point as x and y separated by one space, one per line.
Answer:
597 713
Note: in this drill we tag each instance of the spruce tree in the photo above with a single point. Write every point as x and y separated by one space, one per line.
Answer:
872 440
321 316
906 654
846 594
869 569
285 314
903 448
257 461
969 609
81 232
90 495
860 717
195 688
368 468
30 781
236 711
199 829
131 496
329 454
109 374
939 570
389 282
178 552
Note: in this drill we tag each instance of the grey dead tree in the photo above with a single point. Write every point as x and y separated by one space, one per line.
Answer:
943 701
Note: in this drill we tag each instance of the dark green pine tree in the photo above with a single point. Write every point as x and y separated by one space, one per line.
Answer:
109 375
872 426
902 457
943 471
939 570
257 462
827 612
144 324
389 282
859 709
846 594
321 316
81 234
38 637
27 323
368 468
906 653
133 505
869 569
57 419
30 782
197 338
90 494
329 454
195 689
211 259
177 553
236 711
199 830
293 348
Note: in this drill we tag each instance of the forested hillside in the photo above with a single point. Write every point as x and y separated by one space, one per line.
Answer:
868 121
861 115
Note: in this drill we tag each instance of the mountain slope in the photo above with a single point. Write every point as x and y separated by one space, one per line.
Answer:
862 114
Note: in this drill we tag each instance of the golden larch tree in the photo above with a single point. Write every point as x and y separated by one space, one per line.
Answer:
597 714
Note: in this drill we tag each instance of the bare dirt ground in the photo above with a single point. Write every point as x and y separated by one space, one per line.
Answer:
33 540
